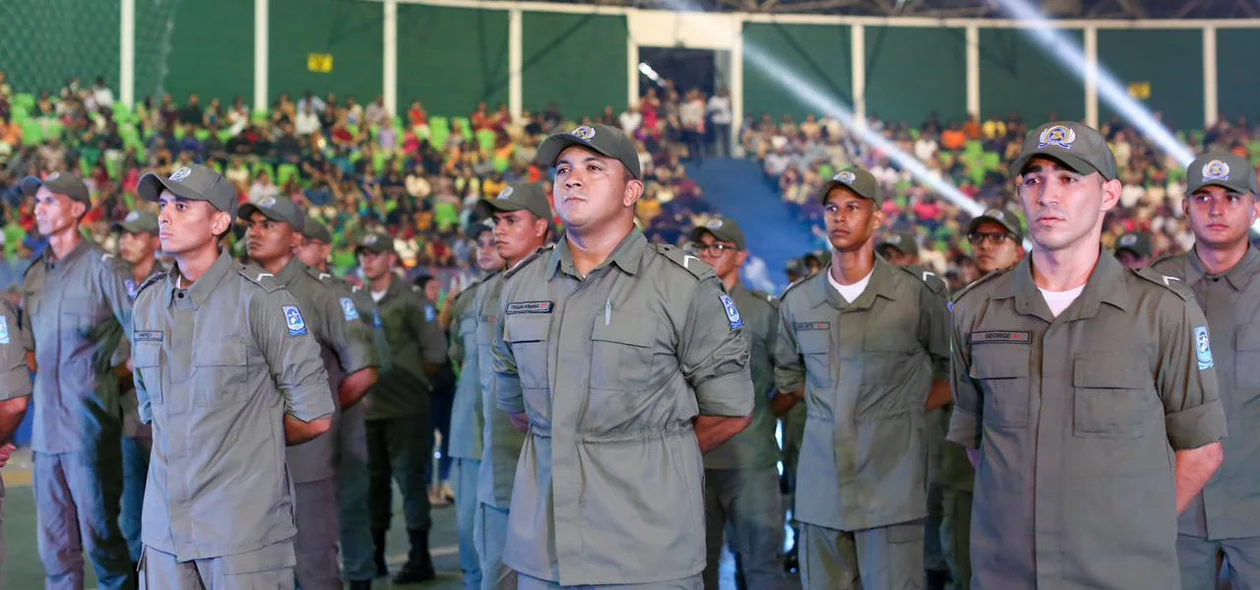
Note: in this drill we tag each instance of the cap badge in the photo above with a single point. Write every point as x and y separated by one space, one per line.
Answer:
1216 170
370 240
53 176
714 224
584 132
181 174
846 176
1059 135
1128 239
133 217
506 194
267 202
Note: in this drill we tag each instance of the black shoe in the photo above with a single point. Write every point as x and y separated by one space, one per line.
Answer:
361 585
378 547
419 566
937 579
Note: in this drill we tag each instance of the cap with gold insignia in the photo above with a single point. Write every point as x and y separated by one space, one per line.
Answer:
375 242
1009 221
1221 169
67 185
195 183
281 209
861 182
724 229
1137 243
138 222
607 141
1077 146
903 241
528 196
312 229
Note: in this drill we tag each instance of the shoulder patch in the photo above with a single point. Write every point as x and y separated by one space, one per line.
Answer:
927 277
259 277
507 274
348 309
293 320
1169 282
984 279
693 265
732 312
1203 347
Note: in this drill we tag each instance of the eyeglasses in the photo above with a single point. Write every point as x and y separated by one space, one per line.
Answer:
979 238
715 249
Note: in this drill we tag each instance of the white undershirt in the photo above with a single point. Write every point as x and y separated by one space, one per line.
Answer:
378 295
850 293
1060 300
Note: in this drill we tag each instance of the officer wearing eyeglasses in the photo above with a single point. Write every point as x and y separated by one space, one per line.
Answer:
996 238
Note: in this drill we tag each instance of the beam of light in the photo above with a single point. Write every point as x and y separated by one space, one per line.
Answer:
819 100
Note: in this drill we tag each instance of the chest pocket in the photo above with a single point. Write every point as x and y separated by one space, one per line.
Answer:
78 316
1247 358
1003 372
815 346
146 358
527 336
1108 392
621 354
221 374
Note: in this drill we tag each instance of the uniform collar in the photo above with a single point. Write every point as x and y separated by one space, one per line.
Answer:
201 290
49 262
1105 285
292 269
1237 277
626 256
880 285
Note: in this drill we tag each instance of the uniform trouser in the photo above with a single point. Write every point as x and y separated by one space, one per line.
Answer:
315 512
956 536
934 557
76 506
353 497
749 500
1198 559
695 582
135 451
490 536
269 568
465 475
880 558
402 448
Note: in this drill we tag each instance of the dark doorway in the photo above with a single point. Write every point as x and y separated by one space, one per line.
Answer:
687 68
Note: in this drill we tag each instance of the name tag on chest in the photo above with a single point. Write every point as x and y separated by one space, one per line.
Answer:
812 325
1001 336
530 307
148 336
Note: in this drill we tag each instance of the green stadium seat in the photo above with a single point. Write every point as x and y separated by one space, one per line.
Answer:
485 140
264 167
180 132
259 116
973 147
463 124
114 168
992 161
26 101
378 162
19 115
285 173
32 132
202 134
445 215
501 164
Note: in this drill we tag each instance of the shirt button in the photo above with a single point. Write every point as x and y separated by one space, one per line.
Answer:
181 295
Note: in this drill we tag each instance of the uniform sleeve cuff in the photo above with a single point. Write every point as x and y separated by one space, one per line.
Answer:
508 393
312 403
790 381
1194 427
728 395
963 428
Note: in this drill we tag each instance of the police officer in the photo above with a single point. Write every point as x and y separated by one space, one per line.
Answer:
997 240
609 349
1074 377
138 245
75 295
1224 520
1133 250
274 231
227 373
467 413
15 389
398 406
741 479
357 564
865 345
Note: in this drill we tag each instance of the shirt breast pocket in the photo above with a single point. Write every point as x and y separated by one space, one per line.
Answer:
815 346
1003 371
622 354
1109 388
146 359
527 336
1247 358
221 374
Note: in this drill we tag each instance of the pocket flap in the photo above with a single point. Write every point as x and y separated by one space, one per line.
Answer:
813 341
1111 370
146 354
525 328
230 353
1248 338
999 361
624 331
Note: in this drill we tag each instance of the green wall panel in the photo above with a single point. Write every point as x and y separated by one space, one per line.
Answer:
351 30
1238 86
911 72
190 47
818 54
1016 76
48 41
451 58
577 61
1170 60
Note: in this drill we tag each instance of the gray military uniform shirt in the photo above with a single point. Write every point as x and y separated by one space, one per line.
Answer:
501 442
218 365
611 370
414 338
132 426
1229 506
15 376
370 328
1077 418
754 447
867 368
467 415
79 311
330 319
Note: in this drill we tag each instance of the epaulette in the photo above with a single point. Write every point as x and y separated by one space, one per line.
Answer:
153 279
1171 283
507 274
963 291
799 282
318 275
259 277
929 278
768 297
690 263
1162 259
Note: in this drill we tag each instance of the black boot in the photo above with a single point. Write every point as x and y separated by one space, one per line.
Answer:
937 579
419 566
361 585
378 546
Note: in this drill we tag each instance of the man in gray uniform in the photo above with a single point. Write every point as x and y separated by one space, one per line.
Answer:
626 362
741 479
274 226
1133 250
138 244
399 443
228 374
1089 390
76 297
1224 520
357 565
522 225
467 415
865 345
15 390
